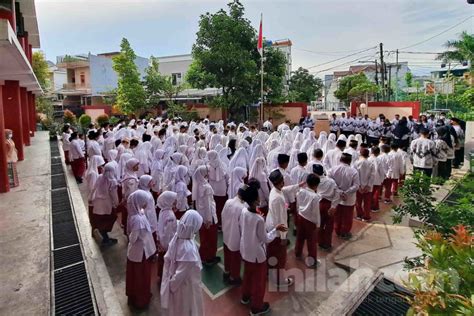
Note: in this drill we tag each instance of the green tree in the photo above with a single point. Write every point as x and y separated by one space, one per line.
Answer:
460 50
304 86
225 56
467 99
354 87
40 68
409 79
130 91
154 82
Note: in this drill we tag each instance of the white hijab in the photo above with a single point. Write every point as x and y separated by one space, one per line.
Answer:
137 222
123 161
240 159
259 170
236 180
216 167
106 182
199 182
182 248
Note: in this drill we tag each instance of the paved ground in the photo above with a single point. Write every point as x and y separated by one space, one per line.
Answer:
25 235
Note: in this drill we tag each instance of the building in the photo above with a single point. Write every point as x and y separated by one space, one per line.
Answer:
18 84
57 79
90 78
285 47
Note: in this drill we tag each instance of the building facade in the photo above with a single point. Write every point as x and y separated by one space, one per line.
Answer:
18 84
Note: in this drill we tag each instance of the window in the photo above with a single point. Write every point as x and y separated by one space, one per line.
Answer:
83 78
176 78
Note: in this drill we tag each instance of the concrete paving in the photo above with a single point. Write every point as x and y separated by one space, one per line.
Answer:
25 235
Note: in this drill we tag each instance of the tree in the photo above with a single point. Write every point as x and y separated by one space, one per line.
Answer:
358 84
467 99
304 87
409 79
130 91
154 83
41 69
225 56
460 50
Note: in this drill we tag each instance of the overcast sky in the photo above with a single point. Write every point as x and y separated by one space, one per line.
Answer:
321 30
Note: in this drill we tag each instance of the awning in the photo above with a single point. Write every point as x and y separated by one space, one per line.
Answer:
13 62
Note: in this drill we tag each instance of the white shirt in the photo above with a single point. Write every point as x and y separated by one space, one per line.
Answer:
347 180
277 213
395 167
308 205
231 223
93 148
380 169
168 225
311 163
140 242
298 174
366 171
327 189
254 237
75 150
354 153
332 158
206 206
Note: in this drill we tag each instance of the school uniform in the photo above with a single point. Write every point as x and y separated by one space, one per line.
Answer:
166 226
78 163
442 158
332 158
366 172
395 169
380 171
231 214
309 220
374 131
424 152
329 193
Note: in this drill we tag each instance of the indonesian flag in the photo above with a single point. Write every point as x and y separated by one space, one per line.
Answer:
260 38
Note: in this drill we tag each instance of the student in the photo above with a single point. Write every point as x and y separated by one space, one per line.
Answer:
203 196
459 146
181 188
395 170
141 248
317 159
236 180
328 191
352 150
374 131
347 180
181 292
96 164
290 197
104 202
423 152
259 172
441 153
231 235
145 183
66 143
308 220
380 170
298 174
334 123
218 180
277 214
366 171
333 156
157 171
253 241
78 163
129 185
167 224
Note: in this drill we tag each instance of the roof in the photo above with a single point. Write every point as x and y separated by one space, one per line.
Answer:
27 8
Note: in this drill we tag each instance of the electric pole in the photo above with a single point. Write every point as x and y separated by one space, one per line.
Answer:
382 72
376 79
389 85
396 77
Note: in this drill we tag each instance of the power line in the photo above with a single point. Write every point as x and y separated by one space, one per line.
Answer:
326 53
448 29
345 63
344 57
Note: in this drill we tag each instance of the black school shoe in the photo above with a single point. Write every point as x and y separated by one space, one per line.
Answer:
212 262
265 309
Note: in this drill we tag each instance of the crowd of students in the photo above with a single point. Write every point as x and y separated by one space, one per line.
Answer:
170 180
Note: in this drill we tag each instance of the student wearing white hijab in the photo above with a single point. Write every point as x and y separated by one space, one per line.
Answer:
259 172
157 171
203 196
122 162
199 159
181 188
240 159
143 154
175 160
129 185
96 164
112 159
236 181
181 292
167 225
145 182
218 180
141 249
104 202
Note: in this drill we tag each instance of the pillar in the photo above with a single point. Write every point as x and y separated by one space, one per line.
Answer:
25 117
4 182
31 113
12 113
9 15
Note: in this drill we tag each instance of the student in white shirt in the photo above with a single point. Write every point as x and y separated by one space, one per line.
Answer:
308 221
423 152
317 159
380 171
78 163
366 172
277 214
347 180
166 226
352 150
203 196
253 248
395 170
333 156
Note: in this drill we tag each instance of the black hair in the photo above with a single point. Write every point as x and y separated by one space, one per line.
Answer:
146 138
118 142
394 146
162 132
312 180
302 158
73 136
318 169
341 144
275 177
386 148
282 159
375 150
364 145
254 183
134 143
318 153
353 144
364 152
346 158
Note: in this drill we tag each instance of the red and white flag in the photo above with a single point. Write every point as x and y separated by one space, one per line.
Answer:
260 38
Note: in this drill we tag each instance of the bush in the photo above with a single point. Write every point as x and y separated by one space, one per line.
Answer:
84 121
114 120
69 117
102 119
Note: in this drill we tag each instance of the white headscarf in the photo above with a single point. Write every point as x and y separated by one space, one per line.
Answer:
259 170
129 172
123 160
223 156
106 182
144 182
257 152
138 226
236 180
199 180
166 200
322 139
216 167
240 159
182 248
181 174
92 173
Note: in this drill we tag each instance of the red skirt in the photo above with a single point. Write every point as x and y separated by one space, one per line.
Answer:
104 223
220 201
78 167
138 283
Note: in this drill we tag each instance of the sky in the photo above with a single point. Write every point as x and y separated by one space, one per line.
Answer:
320 30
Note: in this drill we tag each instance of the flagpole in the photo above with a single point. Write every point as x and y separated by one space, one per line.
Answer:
261 77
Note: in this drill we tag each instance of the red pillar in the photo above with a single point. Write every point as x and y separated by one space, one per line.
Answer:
4 182
9 15
12 113
31 113
25 119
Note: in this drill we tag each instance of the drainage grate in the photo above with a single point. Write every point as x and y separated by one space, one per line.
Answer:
57 169
66 256
385 299
62 217
55 160
64 234
72 294
58 181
